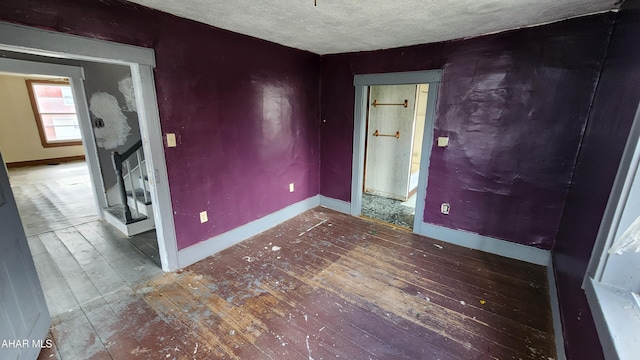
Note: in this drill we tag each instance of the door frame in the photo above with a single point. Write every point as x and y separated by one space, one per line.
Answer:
361 83
18 38
75 74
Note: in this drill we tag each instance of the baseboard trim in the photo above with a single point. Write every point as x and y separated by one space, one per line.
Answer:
132 229
201 250
555 312
335 204
50 161
487 244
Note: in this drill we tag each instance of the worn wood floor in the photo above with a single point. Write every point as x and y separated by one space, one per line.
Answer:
82 263
52 197
321 286
326 285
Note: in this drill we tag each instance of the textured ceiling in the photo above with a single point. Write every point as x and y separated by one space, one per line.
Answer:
335 26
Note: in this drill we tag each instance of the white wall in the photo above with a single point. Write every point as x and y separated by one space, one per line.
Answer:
19 137
421 112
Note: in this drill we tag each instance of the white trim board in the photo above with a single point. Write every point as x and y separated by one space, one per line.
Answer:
487 244
599 318
335 204
25 39
201 250
132 229
555 312
36 68
617 318
153 147
406 77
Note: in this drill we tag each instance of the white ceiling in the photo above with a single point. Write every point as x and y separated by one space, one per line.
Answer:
335 26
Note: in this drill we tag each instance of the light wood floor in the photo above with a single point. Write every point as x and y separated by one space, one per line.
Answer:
52 197
321 286
82 263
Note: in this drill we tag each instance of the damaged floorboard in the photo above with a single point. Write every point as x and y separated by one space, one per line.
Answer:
321 286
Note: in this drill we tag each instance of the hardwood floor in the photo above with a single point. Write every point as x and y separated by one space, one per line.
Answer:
83 269
321 286
51 197
338 286
82 263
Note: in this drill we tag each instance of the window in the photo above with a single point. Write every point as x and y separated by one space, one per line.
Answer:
611 282
55 112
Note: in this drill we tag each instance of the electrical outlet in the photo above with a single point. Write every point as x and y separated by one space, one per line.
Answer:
203 217
291 187
171 140
444 208
443 141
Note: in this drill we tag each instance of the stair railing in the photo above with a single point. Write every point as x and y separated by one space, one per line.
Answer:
143 175
120 164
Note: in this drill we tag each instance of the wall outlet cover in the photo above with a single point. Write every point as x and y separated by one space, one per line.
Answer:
443 141
444 208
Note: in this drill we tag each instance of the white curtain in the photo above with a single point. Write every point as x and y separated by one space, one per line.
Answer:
629 241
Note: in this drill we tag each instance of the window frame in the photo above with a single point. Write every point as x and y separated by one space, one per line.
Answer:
37 114
614 304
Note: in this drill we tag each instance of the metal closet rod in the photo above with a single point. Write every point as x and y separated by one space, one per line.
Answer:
376 103
396 135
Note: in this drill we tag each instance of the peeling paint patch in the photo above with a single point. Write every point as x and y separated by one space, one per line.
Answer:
116 129
125 86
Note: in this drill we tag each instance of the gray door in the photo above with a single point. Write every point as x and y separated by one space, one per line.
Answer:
24 318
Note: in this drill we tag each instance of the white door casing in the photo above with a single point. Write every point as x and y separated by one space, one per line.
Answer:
24 318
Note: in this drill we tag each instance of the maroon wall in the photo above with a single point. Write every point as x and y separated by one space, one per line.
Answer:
613 111
245 110
514 106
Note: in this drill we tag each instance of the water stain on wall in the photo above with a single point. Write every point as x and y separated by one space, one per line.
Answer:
115 131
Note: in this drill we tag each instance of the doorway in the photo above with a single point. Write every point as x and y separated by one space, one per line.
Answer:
140 61
42 124
78 260
39 128
393 178
395 129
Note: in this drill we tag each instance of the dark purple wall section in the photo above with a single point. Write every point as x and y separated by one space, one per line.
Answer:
245 111
514 106
112 20
608 127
